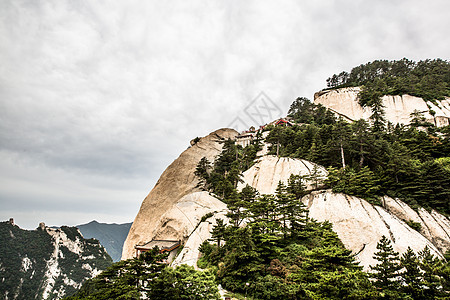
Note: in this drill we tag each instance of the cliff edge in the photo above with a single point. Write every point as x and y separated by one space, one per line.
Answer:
398 109
176 182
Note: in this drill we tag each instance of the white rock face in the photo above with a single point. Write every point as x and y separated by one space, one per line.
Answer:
361 225
434 226
190 253
177 181
182 219
398 108
269 170
53 270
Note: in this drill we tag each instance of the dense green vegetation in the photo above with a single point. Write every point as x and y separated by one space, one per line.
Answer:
411 275
146 276
408 162
24 257
428 79
282 254
15 245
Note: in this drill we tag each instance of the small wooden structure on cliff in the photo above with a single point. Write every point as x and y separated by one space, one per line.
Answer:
170 246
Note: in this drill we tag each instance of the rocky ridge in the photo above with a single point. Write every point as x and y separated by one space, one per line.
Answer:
46 263
398 109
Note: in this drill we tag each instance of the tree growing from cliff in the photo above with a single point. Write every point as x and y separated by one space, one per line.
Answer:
202 172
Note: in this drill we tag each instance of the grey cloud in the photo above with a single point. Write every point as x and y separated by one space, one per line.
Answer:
104 95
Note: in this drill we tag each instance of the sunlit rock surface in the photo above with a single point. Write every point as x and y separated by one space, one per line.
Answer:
269 170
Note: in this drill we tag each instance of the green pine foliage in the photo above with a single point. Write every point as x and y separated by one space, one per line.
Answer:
410 276
282 254
427 79
387 272
222 176
148 277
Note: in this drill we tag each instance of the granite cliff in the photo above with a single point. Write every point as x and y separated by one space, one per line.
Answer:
177 209
162 214
344 103
359 224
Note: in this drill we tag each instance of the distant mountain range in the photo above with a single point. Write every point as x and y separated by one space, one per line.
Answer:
111 236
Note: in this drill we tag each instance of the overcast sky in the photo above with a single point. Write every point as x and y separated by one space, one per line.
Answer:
97 98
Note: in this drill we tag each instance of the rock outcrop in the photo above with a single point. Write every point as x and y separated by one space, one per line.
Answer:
169 195
398 109
359 224
177 210
195 223
269 170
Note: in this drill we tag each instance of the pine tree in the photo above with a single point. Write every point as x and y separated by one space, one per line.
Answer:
218 232
431 279
202 172
386 272
411 275
283 201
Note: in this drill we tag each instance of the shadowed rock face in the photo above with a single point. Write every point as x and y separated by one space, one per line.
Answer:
397 108
177 181
359 224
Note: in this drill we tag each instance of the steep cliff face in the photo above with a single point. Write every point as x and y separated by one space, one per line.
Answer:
194 216
269 170
398 108
46 263
177 181
359 224
434 226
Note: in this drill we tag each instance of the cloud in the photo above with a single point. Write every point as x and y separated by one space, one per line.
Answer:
98 97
